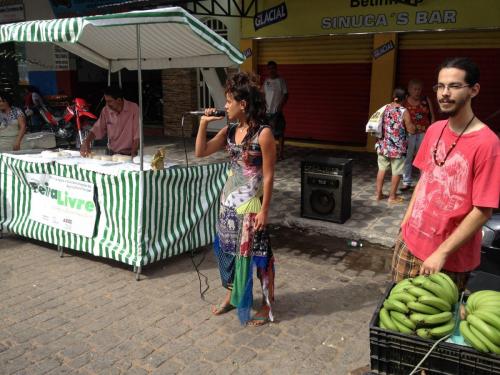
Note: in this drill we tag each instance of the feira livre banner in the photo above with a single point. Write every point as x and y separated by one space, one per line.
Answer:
63 203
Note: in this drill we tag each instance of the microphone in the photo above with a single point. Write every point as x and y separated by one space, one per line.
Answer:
216 113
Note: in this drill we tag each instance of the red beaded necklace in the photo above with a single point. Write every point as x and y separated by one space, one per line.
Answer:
434 151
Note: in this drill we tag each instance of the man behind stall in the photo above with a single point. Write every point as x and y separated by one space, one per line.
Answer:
119 121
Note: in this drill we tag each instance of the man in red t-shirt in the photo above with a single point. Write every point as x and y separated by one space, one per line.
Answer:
458 188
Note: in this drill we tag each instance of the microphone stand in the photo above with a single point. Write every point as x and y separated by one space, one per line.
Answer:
184 140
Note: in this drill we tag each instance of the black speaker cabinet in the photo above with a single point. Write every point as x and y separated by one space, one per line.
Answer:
326 186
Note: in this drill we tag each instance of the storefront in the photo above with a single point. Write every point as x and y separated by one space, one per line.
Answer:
342 59
329 83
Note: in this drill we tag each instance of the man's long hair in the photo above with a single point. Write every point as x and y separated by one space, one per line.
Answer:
246 86
467 65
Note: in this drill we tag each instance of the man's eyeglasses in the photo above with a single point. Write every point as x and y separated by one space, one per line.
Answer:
451 87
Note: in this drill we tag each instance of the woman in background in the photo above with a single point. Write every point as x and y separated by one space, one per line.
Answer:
392 146
12 125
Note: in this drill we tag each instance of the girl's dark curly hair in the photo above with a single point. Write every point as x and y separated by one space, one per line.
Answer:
246 86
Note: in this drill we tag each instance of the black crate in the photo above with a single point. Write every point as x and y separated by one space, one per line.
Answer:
394 353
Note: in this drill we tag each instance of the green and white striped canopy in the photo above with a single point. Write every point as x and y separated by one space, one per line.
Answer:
170 38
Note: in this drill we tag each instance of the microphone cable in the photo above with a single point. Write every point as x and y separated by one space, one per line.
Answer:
190 236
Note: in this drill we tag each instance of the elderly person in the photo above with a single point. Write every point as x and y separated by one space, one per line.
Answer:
12 125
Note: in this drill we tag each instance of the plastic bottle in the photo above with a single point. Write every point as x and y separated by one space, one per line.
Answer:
354 243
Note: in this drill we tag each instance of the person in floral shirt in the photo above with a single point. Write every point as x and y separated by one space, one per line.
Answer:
393 144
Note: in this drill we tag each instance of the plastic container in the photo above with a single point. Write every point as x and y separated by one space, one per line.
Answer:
396 353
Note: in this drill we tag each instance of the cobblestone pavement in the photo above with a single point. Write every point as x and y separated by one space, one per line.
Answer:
84 315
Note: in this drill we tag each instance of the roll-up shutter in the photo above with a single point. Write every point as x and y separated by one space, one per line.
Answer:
328 82
420 54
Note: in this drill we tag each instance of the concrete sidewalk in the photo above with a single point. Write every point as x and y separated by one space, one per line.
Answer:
371 220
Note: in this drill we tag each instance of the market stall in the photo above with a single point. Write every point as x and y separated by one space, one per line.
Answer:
140 216
94 207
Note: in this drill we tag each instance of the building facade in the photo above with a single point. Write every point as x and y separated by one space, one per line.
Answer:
343 58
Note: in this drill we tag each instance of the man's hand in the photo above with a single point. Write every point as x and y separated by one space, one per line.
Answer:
433 264
85 148
16 147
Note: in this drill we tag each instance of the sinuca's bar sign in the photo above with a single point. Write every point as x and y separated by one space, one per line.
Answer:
270 16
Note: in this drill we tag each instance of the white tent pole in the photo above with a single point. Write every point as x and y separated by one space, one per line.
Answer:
139 87
141 173
109 73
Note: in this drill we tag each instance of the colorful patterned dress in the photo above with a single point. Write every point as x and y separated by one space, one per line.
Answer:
394 141
238 247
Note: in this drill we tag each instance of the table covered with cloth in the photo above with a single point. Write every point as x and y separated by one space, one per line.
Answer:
175 210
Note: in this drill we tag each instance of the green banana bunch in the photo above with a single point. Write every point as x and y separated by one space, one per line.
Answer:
487 330
421 306
471 339
481 328
491 346
484 300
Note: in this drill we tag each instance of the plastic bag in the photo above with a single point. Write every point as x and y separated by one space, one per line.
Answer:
375 123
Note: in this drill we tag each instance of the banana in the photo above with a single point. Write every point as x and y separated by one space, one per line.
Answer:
401 327
471 338
402 285
403 319
480 295
424 333
451 283
418 318
436 302
419 280
489 305
489 317
393 304
381 325
491 347
386 320
436 278
403 297
486 298
422 308
418 292
443 330
492 309
426 319
438 290
490 332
